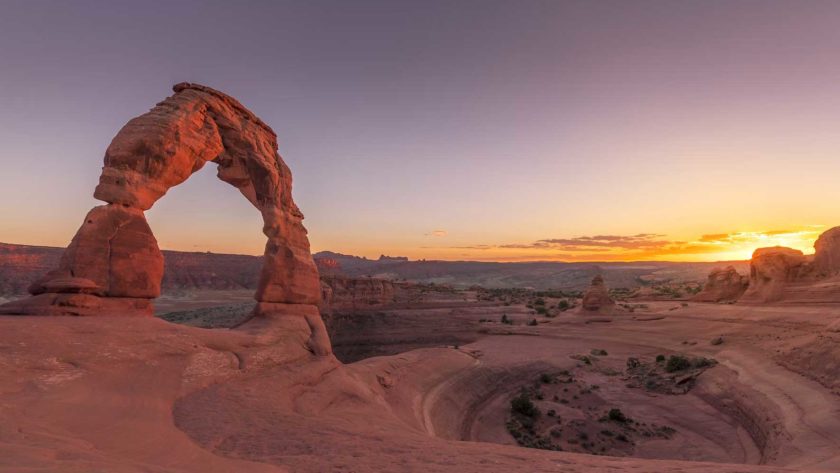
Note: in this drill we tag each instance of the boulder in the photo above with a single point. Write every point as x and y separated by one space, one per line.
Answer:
771 269
723 285
827 255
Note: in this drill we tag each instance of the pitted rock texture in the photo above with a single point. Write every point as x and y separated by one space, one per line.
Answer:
597 297
723 285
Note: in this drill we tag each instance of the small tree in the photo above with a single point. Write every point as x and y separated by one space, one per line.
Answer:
522 404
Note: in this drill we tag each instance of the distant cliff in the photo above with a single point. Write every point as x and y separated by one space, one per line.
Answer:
22 264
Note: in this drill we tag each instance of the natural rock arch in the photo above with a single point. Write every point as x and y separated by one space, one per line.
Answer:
113 265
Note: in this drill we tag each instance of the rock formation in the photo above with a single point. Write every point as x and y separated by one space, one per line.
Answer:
723 285
113 265
351 294
771 269
597 297
827 255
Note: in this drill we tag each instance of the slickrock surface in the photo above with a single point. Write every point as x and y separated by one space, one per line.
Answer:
139 395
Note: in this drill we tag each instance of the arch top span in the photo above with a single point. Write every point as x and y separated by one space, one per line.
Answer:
113 265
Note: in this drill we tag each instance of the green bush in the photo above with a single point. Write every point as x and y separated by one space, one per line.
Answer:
522 404
660 358
677 363
616 415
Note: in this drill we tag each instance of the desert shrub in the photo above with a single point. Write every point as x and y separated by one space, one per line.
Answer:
546 378
616 415
563 304
506 320
677 363
539 301
701 362
542 310
598 352
532 322
660 358
522 404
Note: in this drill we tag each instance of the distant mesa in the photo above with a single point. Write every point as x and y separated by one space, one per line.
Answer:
597 296
723 285
113 265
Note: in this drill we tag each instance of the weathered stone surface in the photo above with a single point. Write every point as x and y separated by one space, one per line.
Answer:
597 296
304 319
771 269
723 284
73 286
57 304
827 256
115 248
350 294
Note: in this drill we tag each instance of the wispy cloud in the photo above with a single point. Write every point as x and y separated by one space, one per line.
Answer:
651 245
437 233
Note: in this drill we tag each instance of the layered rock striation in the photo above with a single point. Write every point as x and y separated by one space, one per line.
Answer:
345 294
113 265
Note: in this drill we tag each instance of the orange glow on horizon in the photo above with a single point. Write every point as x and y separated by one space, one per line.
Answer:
734 246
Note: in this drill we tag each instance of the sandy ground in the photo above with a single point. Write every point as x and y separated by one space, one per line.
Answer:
105 394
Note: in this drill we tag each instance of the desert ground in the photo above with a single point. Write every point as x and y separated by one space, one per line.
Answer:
296 368
143 394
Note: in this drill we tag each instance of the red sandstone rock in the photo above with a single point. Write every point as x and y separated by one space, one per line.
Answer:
351 294
827 256
770 270
723 284
597 296
116 250
160 149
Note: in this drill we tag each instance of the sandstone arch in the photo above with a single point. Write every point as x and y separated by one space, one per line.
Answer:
113 265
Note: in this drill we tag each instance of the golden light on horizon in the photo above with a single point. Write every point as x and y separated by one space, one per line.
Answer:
732 246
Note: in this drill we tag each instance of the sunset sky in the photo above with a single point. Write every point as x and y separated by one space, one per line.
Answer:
481 130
